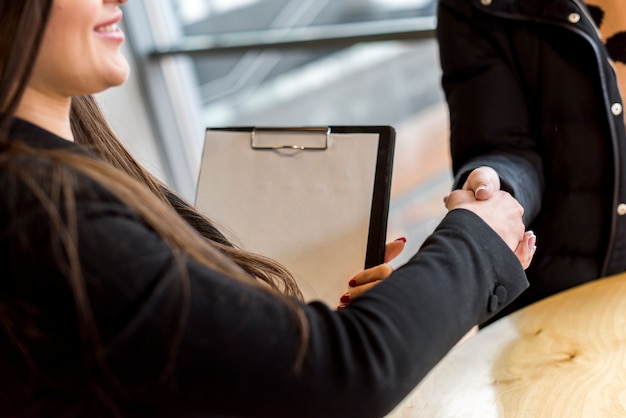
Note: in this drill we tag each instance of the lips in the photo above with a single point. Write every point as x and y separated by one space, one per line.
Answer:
109 25
110 29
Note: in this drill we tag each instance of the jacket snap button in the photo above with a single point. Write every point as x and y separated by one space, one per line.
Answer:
497 298
501 293
485 2
493 303
616 109
621 209
574 18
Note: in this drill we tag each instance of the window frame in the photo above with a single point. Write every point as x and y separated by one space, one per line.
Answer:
164 61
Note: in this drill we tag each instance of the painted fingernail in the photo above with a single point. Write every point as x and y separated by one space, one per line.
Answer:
352 283
341 306
403 239
345 298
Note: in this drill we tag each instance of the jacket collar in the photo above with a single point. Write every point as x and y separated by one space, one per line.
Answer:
572 13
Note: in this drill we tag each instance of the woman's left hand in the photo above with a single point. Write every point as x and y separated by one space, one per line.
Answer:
366 279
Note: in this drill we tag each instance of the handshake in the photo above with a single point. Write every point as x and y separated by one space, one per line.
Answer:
481 194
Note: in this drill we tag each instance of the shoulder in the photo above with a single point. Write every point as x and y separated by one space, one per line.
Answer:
43 191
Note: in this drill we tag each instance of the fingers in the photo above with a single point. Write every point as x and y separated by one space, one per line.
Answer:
457 198
525 251
483 182
501 212
504 215
394 248
355 292
380 272
366 279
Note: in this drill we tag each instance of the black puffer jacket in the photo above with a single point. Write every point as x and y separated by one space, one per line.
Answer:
532 93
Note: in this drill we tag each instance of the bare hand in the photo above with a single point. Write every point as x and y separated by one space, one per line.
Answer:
501 212
366 279
483 181
525 251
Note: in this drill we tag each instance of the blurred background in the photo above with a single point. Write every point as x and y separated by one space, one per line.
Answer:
215 63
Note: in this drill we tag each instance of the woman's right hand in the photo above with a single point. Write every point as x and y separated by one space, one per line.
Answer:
484 182
503 214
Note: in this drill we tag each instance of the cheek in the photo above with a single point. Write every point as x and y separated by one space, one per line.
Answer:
58 56
73 60
65 60
63 41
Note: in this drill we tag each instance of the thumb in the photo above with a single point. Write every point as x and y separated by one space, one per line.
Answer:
484 182
484 191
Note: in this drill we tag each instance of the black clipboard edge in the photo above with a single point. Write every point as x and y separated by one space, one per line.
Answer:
379 212
381 196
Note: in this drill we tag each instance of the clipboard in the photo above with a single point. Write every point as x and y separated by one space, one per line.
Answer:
316 199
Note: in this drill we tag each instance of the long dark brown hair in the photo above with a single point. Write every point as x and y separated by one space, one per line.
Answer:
184 229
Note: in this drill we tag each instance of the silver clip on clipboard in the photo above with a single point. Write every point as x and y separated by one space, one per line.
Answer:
311 211
280 138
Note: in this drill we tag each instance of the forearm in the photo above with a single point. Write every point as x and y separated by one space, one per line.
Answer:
490 121
364 359
208 343
359 361
400 329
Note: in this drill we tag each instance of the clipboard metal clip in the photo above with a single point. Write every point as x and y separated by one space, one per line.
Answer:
292 138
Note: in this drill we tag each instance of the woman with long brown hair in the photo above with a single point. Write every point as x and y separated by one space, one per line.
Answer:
117 298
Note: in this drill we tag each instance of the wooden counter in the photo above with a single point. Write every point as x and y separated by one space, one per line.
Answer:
564 356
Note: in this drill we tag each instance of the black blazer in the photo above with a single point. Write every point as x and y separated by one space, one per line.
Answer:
238 344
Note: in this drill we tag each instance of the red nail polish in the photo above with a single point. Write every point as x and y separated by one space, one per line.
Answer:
401 239
345 298
352 283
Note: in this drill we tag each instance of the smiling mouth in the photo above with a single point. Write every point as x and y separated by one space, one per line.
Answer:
108 28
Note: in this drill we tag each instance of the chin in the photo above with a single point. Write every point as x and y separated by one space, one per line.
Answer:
119 80
117 77
114 70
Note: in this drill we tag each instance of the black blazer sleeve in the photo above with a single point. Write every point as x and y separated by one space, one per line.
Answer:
179 339
490 120
237 347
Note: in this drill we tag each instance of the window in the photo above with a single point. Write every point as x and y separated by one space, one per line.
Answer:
287 62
